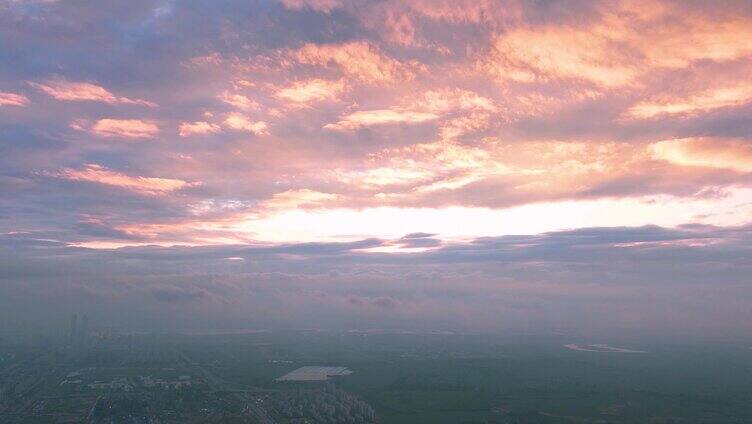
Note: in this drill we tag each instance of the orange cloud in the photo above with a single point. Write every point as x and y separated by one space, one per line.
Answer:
240 122
64 90
385 176
463 11
700 102
398 28
13 99
694 38
414 171
367 118
198 128
314 90
530 55
616 50
145 185
127 128
211 59
225 229
465 125
448 99
358 60
301 198
705 152
239 101
522 171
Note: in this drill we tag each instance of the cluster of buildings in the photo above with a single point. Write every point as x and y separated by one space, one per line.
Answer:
118 384
181 382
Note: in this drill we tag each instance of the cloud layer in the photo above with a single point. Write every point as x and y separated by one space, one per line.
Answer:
688 281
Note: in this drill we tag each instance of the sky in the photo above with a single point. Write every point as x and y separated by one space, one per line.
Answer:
471 165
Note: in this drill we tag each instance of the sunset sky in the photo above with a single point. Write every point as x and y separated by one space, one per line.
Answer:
452 163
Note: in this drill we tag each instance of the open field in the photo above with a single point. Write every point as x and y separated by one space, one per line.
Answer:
456 378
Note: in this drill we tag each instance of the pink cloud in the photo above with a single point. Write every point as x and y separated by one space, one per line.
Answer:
325 6
146 185
240 122
126 128
705 152
301 198
64 90
358 60
399 28
615 50
315 90
449 99
198 128
393 23
464 11
13 99
385 176
239 101
367 118
211 59
544 54
714 98
526 172
466 124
